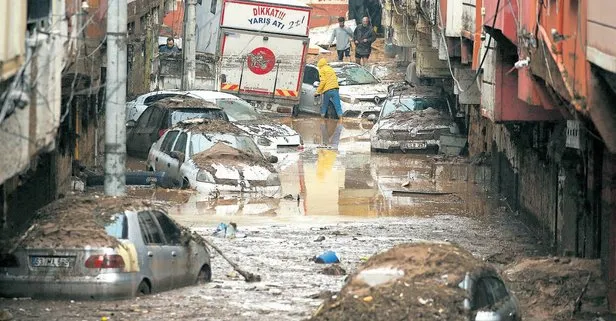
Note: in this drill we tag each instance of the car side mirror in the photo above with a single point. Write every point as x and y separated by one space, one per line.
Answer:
372 118
130 124
315 84
272 159
177 155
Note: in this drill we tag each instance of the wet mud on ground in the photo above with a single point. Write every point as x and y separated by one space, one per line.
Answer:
351 201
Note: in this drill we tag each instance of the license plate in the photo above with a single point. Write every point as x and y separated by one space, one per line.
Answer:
52 261
414 145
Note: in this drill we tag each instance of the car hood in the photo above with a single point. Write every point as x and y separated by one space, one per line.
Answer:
265 128
364 91
224 162
419 120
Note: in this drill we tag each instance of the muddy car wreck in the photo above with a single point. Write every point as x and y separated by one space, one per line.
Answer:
215 158
413 119
101 248
422 281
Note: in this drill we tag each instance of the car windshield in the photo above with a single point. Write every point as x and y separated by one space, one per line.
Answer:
117 227
354 75
204 141
410 104
238 109
186 114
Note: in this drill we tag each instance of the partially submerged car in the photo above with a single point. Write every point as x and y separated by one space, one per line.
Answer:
269 135
413 120
163 114
101 248
360 92
423 281
214 157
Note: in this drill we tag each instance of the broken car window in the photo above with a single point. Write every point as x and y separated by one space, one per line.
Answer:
482 296
117 227
238 109
409 104
354 75
180 145
310 75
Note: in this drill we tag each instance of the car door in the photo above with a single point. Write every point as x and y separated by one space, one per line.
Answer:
157 257
183 271
163 159
174 164
154 129
135 136
307 102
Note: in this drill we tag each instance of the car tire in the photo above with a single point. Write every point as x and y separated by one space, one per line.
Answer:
295 111
144 288
205 275
185 183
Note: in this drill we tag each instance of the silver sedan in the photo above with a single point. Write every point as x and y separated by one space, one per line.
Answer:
151 254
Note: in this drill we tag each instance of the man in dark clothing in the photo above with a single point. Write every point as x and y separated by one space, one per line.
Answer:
170 48
364 37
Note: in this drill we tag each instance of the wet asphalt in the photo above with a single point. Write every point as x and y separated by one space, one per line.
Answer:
340 197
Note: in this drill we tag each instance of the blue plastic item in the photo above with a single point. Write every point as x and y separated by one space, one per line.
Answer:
327 258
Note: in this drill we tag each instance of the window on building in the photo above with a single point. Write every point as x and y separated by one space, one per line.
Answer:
213 6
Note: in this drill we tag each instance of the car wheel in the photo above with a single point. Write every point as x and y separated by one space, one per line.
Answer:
144 288
185 183
205 275
295 111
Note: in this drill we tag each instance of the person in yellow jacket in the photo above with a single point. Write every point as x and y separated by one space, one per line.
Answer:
328 87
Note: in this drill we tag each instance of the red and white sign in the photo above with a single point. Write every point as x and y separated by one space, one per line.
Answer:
266 17
261 60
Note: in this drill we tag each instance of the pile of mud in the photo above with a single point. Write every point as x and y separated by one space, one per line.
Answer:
422 118
548 288
222 153
73 222
426 286
184 102
210 126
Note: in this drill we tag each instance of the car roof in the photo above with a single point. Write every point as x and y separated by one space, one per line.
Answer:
203 125
185 102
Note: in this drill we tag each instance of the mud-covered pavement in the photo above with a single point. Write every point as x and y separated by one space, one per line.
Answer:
354 199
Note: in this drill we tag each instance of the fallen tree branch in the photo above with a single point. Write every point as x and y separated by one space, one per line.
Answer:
249 277
577 305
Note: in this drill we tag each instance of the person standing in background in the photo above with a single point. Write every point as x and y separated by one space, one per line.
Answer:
343 36
364 37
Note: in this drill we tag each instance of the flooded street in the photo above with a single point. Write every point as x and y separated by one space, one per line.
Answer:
339 197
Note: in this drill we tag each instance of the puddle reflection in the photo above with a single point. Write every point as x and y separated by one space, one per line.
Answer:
336 174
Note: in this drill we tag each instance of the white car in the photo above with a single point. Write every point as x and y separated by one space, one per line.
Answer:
360 92
269 135
136 107
214 157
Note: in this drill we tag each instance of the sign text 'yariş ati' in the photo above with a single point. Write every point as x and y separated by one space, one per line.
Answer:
273 17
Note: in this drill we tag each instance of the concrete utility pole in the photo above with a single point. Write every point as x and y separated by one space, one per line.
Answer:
189 46
115 97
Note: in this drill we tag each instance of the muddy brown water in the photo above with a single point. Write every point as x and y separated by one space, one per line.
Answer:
350 199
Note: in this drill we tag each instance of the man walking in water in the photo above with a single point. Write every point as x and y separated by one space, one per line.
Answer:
343 36
364 37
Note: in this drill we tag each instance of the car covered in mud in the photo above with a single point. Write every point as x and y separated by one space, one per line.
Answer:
137 106
412 120
271 136
360 92
163 114
423 281
101 248
214 157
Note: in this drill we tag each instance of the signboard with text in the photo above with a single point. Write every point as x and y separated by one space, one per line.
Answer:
266 17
